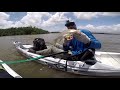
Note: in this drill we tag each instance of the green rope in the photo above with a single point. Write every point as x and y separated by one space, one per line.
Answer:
20 61
30 59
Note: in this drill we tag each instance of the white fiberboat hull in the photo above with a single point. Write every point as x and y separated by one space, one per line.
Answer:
108 63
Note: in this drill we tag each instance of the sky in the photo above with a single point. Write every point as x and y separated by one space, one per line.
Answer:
55 21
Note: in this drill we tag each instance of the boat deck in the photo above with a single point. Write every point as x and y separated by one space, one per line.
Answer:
109 58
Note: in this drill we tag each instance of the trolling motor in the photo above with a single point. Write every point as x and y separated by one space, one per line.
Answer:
38 44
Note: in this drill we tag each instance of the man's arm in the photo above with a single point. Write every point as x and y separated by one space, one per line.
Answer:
94 43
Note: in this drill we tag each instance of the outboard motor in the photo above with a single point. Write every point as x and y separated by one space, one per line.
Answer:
39 44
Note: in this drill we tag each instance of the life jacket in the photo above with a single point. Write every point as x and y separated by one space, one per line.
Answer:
39 44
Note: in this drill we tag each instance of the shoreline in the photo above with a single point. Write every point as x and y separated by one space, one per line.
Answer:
106 33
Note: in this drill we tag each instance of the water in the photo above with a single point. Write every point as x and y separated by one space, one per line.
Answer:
35 70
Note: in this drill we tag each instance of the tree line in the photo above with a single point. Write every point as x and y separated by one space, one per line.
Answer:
22 31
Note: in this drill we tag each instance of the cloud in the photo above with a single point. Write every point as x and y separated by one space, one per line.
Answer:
86 15
4 16
90 15
4 20
57 18
38 19
43 20
32 19
103 29
110 14
54 21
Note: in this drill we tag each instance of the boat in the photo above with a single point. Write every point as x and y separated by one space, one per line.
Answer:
107 63
7 72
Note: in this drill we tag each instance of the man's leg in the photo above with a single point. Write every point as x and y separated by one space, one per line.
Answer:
45 51
88 54
56 50
59 46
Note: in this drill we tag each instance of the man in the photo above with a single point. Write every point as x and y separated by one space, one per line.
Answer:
81 43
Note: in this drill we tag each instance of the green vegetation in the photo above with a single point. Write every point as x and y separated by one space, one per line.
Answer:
22 31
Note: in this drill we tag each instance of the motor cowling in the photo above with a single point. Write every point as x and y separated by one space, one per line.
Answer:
39 44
